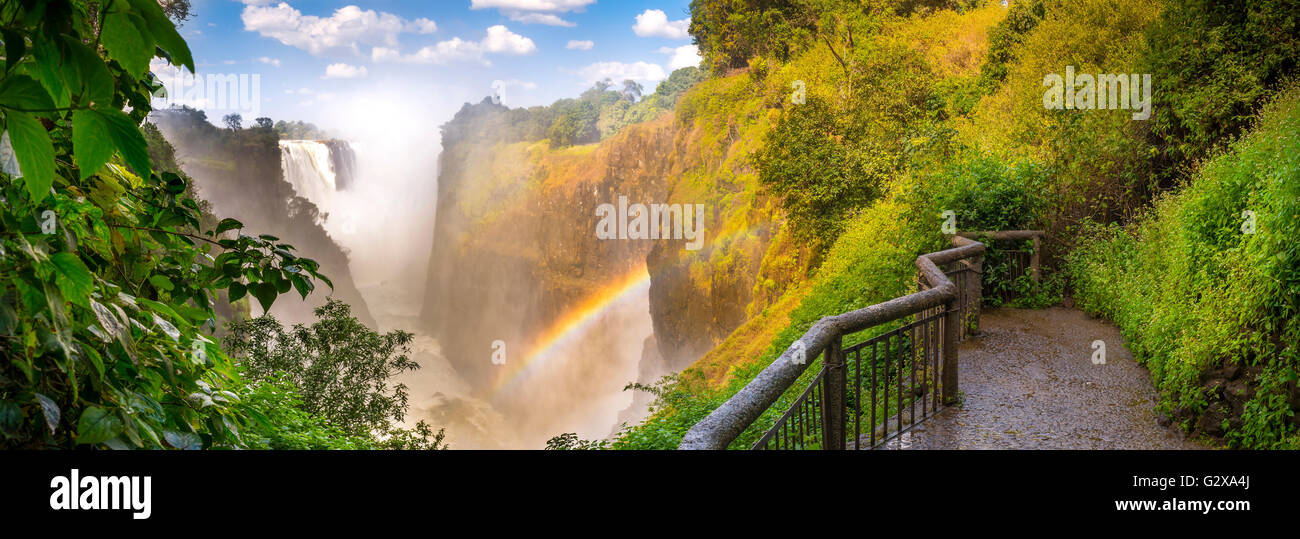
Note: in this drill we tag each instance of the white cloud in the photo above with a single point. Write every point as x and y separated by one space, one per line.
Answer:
424 26
348 29
532 5
580 45
619 71
272 61
683 56
499 40
655 23
534 11
540 18
344 71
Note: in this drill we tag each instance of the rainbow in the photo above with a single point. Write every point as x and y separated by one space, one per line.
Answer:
570 327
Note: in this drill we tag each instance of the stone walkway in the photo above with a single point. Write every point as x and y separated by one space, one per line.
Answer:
1030 383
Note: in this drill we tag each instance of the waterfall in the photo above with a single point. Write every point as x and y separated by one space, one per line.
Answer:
317 170
344 162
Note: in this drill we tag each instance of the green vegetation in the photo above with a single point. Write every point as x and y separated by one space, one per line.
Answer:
1210 309
334 376
597 114
112 276
962 127
299 130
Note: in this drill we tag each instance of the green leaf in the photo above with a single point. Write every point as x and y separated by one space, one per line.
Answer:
127 138
302 284
73 278
50 410
161 282
237 290
94 82
281 283
91 143
23 92
164 32
15 47
11 417
97 426
183 440
228 224
34 152
125 38
265 294
48 68
95 360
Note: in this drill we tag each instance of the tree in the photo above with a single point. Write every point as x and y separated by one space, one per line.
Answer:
575 125
264 123
176 10
233 121
632 90
341 368
730 32
108 280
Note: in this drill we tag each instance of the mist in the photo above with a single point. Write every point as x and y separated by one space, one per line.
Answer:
385 218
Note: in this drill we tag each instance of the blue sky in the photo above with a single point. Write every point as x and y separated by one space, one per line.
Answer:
341 63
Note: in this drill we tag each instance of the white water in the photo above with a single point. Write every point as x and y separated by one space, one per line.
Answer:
385 222
307 166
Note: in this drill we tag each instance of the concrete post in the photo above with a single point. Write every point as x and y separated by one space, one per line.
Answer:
836 384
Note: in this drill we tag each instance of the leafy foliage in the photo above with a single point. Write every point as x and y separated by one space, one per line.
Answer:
730 32
827 159
1214 64
570 441
1195 294
106 281
341 368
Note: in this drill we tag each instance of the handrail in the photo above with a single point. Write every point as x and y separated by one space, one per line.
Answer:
1006 235
728 421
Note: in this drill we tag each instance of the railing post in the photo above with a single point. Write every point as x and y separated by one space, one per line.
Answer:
976 294
833 407
1033 259
951 334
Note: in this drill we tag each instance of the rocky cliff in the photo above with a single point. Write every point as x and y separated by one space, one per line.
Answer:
240 175
516 248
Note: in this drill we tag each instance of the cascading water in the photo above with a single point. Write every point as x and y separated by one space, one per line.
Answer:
377 194
309 167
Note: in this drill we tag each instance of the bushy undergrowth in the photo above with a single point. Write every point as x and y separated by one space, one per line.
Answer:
986 194
870 263
1194 296
1206 305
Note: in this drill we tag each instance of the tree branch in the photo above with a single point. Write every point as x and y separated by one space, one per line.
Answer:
191 236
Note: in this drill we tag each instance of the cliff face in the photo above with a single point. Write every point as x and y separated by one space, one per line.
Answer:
515 244
240 176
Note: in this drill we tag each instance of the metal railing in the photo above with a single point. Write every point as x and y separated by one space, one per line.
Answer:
894 373
1007 261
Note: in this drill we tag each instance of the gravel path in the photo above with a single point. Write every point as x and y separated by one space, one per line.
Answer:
1030 383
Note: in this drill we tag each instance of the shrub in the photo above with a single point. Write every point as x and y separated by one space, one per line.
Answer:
1212 311
339 369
